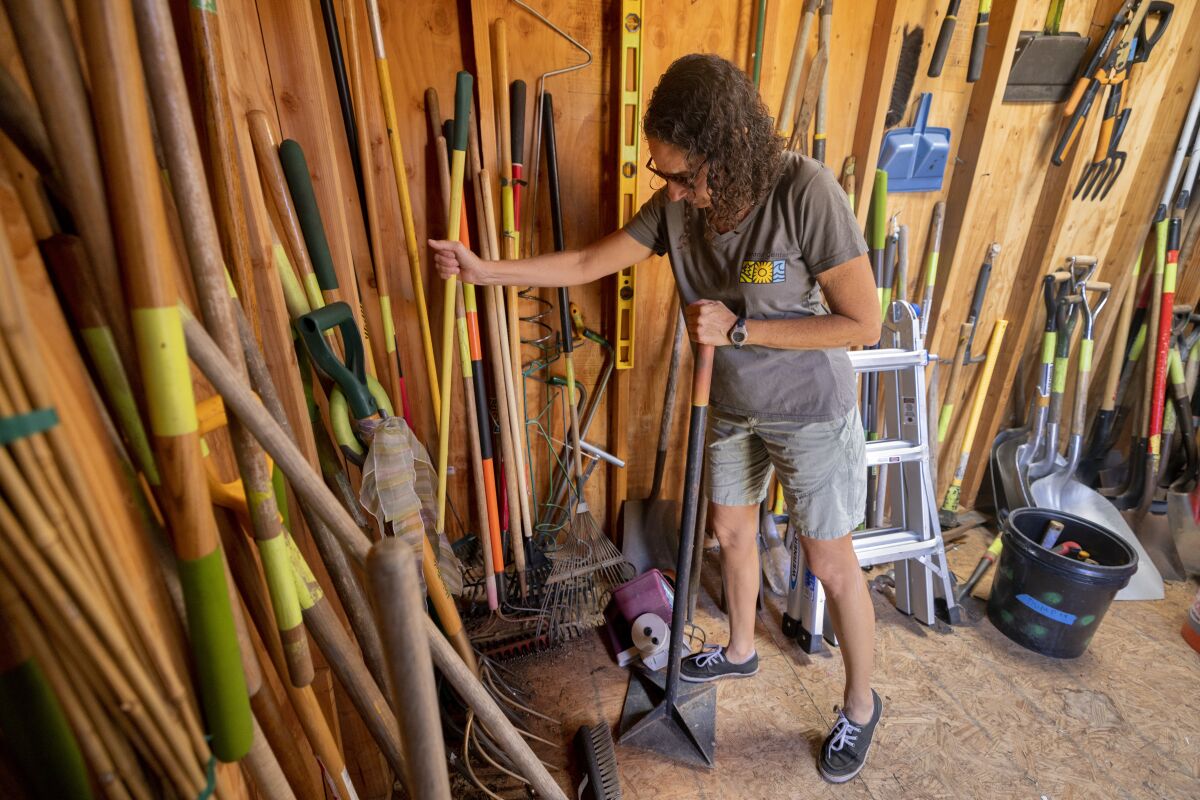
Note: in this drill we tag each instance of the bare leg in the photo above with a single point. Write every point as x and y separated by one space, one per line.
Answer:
736 528
836 566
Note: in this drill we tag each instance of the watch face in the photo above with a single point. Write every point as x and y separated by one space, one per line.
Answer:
737 335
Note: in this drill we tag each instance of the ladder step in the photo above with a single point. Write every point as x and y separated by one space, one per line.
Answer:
894 451
879 547
892 358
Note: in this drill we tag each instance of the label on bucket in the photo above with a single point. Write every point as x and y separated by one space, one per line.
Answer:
1047 611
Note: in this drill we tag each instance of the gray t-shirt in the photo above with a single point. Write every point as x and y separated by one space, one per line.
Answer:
764 269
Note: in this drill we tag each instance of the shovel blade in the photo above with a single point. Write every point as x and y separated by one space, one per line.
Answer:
650 536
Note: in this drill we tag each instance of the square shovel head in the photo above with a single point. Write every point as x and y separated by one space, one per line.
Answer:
683 731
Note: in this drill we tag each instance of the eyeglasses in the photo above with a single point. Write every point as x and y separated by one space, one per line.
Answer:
685 179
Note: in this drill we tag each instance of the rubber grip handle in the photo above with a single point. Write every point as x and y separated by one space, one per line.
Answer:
295 170
1075 123
945 37
463 86
878 213
978 46
350 375
517 120
1164 11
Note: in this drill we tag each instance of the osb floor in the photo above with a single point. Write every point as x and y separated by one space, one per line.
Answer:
967 713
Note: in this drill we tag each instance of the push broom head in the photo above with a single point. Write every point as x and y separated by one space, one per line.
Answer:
599 763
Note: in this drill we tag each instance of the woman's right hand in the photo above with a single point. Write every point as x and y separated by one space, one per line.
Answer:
452 259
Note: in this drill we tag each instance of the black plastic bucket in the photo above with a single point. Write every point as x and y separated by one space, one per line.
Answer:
1049 603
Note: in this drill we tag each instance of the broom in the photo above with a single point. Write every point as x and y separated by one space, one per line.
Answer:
589 556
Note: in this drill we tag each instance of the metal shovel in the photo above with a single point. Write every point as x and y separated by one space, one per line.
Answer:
649 536
1013 449
1060 491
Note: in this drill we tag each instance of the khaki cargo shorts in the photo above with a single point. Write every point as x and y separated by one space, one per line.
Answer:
821 466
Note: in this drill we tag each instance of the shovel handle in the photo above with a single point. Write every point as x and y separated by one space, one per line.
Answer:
945 37
295 169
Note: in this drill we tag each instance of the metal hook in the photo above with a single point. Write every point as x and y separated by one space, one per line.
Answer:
537 120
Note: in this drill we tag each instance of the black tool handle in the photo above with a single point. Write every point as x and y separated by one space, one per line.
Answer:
945 36
556 219
1164 11
1075 122
516 119
701 382
979 42
334 40
981 284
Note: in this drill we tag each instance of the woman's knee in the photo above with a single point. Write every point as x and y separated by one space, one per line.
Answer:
736 527
834 564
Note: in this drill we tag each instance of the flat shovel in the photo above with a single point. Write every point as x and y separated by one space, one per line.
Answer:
1046 64
650 536
1060 491
1013 449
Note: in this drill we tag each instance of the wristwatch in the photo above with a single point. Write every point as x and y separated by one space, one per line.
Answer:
737 334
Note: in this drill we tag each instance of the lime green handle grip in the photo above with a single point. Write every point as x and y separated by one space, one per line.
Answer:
217 659
295 170
38 735
878 214
462 109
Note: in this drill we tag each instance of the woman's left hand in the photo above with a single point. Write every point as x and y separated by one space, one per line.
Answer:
709 322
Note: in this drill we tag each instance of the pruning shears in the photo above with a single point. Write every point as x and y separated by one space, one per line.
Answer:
1125 42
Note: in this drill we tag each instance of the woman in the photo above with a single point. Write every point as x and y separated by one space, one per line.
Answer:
756 237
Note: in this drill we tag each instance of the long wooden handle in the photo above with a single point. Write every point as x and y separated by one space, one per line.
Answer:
799 48
391 572
399 172
182 149
48 50
490 714
266 154
122 114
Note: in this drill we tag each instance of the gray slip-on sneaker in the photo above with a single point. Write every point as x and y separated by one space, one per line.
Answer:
844 752
711 664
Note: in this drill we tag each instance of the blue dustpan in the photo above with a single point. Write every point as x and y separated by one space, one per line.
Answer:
915 158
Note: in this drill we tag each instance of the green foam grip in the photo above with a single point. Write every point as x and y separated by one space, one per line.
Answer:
1160 245
295 169
218 663
38 735
462 109
877 216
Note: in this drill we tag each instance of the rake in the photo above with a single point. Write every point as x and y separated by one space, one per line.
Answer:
589 566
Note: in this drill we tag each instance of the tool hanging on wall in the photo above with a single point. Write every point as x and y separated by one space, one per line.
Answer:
787 104
945 36
933 247
629 143
1046 63
915 158
948 514
1109 68
808 105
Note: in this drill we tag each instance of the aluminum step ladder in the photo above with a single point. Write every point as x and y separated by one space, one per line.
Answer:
913 539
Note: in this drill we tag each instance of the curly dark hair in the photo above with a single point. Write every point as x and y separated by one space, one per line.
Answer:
707 107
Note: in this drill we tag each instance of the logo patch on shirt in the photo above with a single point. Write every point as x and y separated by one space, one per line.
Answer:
763 271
